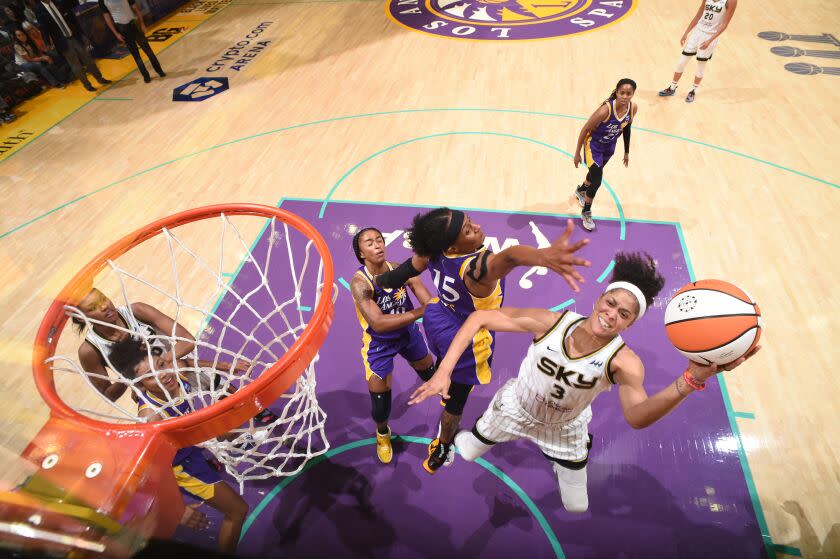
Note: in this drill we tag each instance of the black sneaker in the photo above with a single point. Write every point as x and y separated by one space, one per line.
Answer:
440 454
667 92
690 97
89 87
104 81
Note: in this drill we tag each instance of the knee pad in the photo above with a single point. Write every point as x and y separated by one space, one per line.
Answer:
701 64
470 446
458 394
684 58
380 408
596 173
426 374
572 486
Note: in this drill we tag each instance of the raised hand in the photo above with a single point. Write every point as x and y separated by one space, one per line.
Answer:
704 372
560 257
437 385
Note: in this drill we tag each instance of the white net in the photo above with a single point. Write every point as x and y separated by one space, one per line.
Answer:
233 310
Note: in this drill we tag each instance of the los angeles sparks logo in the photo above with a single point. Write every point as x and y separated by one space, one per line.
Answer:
506 20
392 303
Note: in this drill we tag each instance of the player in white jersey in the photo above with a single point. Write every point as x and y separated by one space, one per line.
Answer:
111 324
700 38
572 359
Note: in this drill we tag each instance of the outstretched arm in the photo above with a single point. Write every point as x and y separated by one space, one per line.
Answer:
379 321
559 257
641 410
397 277
507 319
420 291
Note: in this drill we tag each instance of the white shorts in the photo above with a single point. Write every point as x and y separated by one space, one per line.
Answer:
695 39
505 420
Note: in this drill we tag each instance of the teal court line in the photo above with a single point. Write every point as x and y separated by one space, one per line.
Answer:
562 305
744 414
787 550
304 308
770 548
609 268
526 500
343 282
468 133
733 424
365 115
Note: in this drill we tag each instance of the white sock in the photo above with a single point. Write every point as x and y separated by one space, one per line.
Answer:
572 484
694 87
673 86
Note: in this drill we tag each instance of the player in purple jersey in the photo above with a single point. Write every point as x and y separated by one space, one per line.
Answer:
468 277
388 321
598 138
164 394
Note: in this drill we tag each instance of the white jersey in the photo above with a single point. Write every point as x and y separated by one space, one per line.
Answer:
555 388
714 12
159 345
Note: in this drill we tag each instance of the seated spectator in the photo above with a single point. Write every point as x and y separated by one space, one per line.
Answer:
29 60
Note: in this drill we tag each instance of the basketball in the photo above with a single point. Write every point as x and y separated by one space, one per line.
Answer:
712 321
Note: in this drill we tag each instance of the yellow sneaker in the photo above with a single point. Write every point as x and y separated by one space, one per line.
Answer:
383 447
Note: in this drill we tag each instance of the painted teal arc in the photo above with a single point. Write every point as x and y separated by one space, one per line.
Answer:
526 500
467 133
384 113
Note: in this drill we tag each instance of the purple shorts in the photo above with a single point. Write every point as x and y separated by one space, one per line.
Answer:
378 355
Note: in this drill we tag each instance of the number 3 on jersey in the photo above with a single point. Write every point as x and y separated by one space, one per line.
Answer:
445 290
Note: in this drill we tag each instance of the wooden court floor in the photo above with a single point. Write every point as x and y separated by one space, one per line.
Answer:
342 102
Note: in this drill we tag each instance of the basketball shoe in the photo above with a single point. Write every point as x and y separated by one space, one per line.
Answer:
588 223
667 92
690 97
581 195
440 454
383 447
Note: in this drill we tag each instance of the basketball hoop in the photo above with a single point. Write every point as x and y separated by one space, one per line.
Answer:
262 349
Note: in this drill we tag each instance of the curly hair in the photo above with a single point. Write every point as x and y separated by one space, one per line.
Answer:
638 268
428 233
356 250
126 355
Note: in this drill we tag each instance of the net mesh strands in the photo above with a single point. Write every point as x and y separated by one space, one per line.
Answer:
249 320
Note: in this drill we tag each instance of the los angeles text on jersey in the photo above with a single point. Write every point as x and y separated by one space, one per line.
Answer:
505 20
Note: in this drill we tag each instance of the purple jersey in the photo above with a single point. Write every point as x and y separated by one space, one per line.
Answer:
608 131
448 276
389 301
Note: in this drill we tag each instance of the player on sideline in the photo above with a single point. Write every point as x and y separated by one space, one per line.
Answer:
388 318
572 359
598 138
162 395
700 38
468 277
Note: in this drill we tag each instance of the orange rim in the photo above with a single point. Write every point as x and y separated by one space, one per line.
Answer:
226 414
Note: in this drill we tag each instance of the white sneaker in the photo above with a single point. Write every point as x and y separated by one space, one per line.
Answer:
581 197
572 484
588 224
